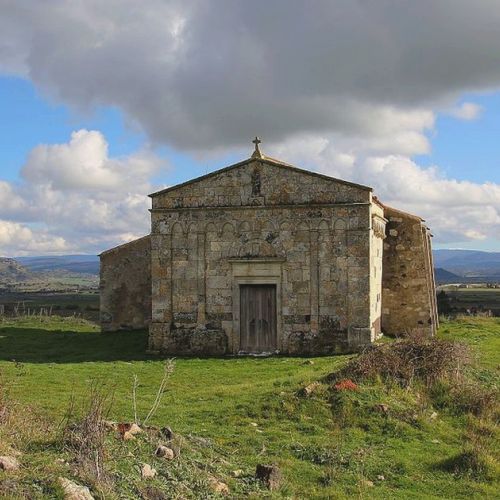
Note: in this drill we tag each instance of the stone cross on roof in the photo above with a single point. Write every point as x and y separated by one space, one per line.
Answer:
257 153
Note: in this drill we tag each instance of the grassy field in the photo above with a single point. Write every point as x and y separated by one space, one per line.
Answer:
83 304
461 299
245 411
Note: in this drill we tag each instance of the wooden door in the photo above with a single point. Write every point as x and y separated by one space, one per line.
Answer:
258 318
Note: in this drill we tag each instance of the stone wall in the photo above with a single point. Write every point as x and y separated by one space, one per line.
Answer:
408 287
317 255
378 228
125 286
260 182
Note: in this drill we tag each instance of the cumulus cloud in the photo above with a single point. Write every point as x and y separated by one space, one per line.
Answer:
18 239
75 197
197 76
84 164
347 87
456 210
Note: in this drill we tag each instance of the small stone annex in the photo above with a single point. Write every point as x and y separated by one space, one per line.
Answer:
263 257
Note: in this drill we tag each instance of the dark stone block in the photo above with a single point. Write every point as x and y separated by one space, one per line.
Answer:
195 342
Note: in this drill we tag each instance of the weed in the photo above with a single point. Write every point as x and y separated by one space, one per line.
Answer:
85 436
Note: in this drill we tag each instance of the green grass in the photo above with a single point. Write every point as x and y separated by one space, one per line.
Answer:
482 334
249 410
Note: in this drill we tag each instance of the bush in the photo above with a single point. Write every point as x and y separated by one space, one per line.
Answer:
413 358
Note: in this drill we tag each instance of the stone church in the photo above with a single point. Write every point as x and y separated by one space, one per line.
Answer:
263 257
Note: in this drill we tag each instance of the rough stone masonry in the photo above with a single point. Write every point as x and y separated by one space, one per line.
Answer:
263 257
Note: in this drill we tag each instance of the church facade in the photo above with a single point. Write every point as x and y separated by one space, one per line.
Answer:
263 257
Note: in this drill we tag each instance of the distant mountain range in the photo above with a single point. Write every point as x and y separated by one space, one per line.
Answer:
469 264
444 276
82 264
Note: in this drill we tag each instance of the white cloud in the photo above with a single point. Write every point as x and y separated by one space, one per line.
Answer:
17 239
199 77
456 210
84 164
467 111
76 198
349 88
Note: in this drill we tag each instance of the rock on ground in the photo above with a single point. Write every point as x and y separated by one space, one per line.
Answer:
270 475
165 452
8 463
73 491
218 486
310 389
147 472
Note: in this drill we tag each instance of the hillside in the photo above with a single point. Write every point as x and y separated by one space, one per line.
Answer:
87 264
469 263
444 276
329 440
47 274
12 271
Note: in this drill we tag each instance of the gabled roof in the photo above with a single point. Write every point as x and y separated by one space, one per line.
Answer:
264 159
124 245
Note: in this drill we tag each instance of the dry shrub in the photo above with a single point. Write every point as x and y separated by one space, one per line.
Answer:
416 357
85 436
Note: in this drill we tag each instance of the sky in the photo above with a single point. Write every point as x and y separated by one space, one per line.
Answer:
102 103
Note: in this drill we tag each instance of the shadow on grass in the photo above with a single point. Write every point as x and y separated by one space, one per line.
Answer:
37 345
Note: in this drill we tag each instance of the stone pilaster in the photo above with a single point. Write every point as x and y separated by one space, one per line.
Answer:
314 286
201 317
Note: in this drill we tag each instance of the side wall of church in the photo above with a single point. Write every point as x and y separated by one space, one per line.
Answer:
317 256
408 294
125 286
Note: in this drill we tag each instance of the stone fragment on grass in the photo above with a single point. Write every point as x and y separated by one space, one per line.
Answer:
165 452
237 473
127 436
269 475
434 415
382 408
310 389
134 429
147 472
127 431
74 491
167 432
8 463
218 486
367 483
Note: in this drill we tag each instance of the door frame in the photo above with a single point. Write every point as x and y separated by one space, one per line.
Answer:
255 272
